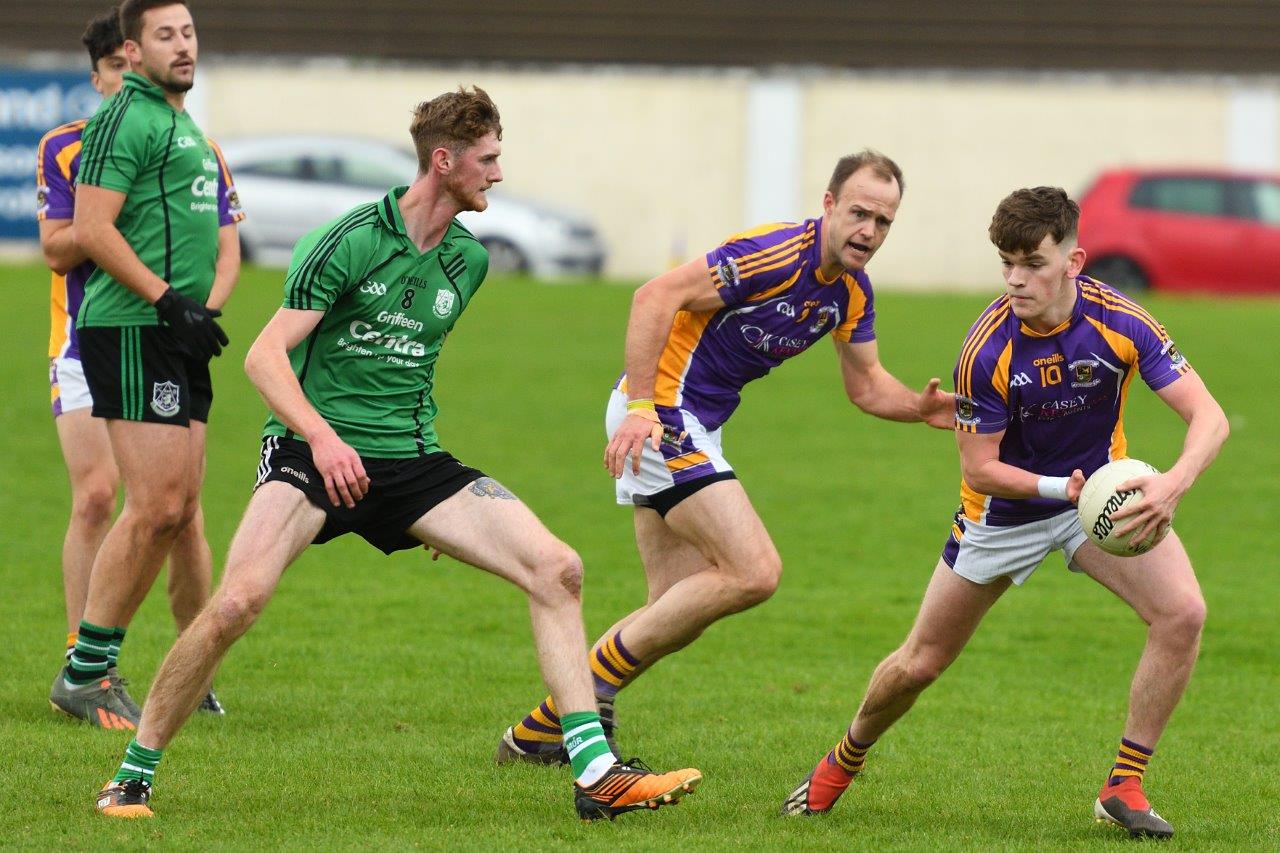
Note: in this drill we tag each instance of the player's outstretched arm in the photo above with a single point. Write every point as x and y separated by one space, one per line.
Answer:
267 365
653 309
878 392
1207 429
227 271
985 473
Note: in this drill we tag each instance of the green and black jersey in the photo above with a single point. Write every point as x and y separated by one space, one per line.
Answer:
369 365
139 145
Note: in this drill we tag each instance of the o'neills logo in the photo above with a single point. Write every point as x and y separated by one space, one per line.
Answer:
402 344
1103 526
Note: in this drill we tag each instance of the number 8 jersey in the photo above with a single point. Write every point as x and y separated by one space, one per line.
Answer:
1058 397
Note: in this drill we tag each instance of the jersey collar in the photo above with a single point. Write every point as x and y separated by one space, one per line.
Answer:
135 81
819 227
389 213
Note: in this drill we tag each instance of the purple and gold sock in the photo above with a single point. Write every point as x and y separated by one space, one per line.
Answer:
850 755
540 731
612 666
1131 760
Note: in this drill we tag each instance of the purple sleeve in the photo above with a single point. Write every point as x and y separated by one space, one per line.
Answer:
745 266
55 198
982 380
229 209
1160 362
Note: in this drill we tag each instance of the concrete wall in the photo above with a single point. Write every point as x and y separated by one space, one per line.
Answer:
667 163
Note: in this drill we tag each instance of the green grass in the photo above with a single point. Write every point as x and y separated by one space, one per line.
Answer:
365 705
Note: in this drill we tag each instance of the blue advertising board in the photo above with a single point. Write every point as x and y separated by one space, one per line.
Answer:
32 103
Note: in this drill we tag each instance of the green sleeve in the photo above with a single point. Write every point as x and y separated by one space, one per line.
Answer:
478 262
117 145
321 270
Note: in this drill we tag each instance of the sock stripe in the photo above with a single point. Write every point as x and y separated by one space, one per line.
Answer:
628 658
601 667
539 728
585 727
573 753
1131 762
609 655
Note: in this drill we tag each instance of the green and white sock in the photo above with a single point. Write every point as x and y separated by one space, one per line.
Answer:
139 763
88 661
113 651
589 752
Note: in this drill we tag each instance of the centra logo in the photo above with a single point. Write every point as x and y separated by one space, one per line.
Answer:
402 344
204 187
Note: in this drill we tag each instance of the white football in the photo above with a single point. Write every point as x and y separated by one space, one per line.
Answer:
1099 499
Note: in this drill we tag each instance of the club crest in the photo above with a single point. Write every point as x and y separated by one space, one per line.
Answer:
444 303
165 399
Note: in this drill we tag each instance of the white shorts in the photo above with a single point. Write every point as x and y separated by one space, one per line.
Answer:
68 390
689 458
982 552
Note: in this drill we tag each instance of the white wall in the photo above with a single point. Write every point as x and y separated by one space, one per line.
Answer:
670 163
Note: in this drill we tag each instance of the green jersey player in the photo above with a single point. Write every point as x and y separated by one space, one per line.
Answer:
146 214
347 367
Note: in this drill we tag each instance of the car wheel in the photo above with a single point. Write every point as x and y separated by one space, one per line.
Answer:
1120 272
505 256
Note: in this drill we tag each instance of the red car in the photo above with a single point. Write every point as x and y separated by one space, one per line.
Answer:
1199 230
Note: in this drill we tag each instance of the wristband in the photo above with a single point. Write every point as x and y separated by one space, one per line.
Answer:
643 408
1053 487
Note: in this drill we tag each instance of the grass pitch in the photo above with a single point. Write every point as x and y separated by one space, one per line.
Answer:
365 706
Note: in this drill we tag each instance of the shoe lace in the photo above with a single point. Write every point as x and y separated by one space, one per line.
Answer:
137 787
637 764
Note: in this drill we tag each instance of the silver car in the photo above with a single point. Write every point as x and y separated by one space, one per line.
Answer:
290 185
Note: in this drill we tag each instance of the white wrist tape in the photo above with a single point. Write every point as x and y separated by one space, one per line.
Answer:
1053 487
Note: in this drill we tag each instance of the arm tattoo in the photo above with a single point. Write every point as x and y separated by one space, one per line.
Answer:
487 487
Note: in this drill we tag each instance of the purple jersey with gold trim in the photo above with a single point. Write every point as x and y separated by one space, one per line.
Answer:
776 304
57 165
1058 397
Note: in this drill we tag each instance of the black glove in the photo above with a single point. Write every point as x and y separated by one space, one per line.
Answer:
192 323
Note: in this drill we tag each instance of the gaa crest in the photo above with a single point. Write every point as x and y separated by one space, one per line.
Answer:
1175 356
1084 373
165 399
444 303
964 411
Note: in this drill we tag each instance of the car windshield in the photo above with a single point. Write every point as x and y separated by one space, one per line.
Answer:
1266 202
1203 196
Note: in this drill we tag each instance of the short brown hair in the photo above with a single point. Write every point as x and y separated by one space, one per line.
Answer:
102 36
879 164
454 121
131 12
1025 216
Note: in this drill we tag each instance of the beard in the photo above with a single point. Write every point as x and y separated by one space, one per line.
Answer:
166 79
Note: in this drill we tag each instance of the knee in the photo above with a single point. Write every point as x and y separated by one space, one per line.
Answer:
760 582
918 668
233 612
94 503
163 516
1185 621
556 575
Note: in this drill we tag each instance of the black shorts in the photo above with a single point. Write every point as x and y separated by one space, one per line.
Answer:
401 491
141 373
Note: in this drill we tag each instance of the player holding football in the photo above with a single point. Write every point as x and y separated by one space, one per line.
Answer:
696 336
347 367
1041 384
86 441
